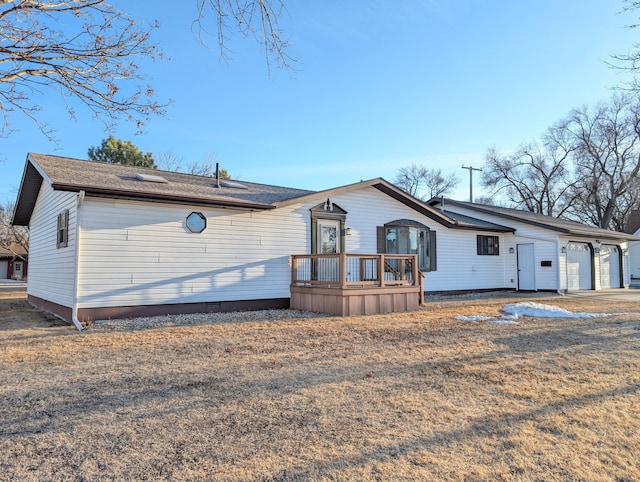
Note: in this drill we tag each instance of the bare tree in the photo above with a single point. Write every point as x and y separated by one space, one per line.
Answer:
12 237
630 61
259 19
86 51
425 183
606 143
170 161
83 50
534 177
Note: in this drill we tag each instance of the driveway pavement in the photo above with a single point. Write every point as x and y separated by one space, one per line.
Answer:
631 295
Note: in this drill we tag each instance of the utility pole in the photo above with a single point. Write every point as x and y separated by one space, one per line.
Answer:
471 169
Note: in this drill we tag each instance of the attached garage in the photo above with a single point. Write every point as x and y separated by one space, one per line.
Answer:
609 266
579 266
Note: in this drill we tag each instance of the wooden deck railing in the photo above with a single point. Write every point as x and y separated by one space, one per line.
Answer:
355 270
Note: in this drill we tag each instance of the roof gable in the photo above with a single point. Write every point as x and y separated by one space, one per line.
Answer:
417 205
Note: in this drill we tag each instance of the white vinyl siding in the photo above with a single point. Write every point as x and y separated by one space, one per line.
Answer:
458 266
634 258
51 269
136 253
546 247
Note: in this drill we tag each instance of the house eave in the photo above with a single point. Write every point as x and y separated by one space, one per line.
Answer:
159 197
27 194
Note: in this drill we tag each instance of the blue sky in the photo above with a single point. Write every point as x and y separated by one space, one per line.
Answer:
381 85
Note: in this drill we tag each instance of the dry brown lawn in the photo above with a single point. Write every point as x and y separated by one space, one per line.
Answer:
416 396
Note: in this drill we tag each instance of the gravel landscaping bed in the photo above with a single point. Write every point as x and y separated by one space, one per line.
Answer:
203 318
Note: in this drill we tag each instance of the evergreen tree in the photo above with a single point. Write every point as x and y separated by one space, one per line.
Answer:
116 151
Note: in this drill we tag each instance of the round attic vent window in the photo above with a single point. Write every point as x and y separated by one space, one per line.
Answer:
196 222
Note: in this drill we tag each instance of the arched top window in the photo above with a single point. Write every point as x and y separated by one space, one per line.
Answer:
405 236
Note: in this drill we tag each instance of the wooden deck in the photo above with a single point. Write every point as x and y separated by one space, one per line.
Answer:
355 284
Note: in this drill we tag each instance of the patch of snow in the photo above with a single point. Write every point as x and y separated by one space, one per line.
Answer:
529 308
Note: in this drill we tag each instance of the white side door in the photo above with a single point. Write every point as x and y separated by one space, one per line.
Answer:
526 267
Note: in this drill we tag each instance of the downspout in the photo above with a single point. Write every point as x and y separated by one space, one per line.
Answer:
74 309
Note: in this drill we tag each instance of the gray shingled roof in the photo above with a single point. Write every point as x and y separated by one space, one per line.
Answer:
562 226
98 178
468 220
113 180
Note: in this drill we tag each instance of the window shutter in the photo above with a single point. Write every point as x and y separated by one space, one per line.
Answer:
381 240
479 241
314 236
433 265
66 228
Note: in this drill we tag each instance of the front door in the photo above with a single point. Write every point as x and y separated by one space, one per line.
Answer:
328 237
526 267
328 242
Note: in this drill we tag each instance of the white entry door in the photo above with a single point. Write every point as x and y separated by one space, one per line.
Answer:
578 266
328 237
328 242
609 266
526 267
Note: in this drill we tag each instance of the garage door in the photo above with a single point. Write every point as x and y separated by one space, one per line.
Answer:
578 266
609 266
3 269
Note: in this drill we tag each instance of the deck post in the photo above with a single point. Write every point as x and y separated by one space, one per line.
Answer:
381 270
294 263
343 270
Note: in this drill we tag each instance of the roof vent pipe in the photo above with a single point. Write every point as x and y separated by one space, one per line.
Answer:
442 204
217 174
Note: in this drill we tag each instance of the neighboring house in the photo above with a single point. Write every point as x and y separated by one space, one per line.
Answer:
13 263
546 253
113 241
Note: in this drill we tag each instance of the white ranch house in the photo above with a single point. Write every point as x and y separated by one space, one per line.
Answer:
117 241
